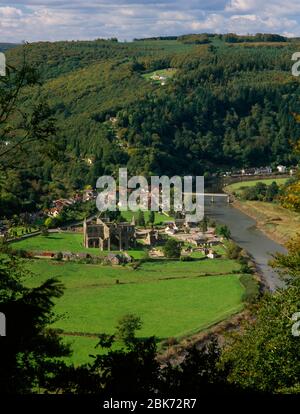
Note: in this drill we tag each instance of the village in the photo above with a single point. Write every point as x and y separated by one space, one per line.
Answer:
107 235
112 242
267 171
113 238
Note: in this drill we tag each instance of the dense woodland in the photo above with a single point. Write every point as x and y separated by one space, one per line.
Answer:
229 105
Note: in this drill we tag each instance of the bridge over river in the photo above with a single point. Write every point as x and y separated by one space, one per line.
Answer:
213 196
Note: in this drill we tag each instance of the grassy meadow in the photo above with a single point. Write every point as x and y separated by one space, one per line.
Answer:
64 242
158 217
237 187
172 297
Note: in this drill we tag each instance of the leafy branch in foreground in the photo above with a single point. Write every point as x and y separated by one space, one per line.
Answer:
23 121
30 350
264 354
288 265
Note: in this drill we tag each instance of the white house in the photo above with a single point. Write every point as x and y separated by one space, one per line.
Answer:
263 170
281 168
53 212
171 229
212 255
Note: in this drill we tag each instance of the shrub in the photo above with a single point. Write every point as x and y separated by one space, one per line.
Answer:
59 256
245 268
233 251
186 259
141 219
171 341
223 231
49 222
136 264
261 192
127 327
251 288
145 257
22 253
172 249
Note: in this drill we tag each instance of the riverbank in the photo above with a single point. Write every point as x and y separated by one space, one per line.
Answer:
278 223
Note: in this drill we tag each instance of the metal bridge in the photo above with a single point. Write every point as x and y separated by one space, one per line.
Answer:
212 195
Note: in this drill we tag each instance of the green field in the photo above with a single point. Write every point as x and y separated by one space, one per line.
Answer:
56 242
159 217
76 275
64 242
173 298
73 242
243 184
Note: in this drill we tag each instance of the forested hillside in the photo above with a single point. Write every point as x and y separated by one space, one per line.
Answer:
230 103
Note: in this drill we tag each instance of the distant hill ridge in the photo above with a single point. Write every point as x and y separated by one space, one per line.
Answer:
7 46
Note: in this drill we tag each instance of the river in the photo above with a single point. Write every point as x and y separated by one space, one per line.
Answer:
245 233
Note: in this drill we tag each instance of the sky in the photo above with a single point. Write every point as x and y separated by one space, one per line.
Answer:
34 20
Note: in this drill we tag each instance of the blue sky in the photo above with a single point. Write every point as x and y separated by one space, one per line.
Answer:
33 20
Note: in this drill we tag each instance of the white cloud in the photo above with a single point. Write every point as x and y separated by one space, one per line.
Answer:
241 5
9 12
34 20
213 23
